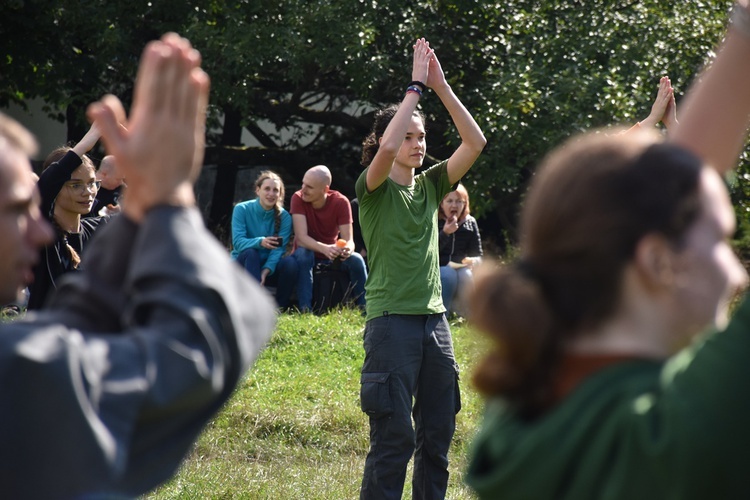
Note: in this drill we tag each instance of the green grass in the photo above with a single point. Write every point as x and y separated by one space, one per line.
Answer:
294 430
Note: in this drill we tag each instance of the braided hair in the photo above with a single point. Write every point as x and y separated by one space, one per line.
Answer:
62 236
263 177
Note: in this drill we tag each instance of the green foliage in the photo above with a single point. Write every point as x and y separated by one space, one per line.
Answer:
79 50
557 68
294 428
304 75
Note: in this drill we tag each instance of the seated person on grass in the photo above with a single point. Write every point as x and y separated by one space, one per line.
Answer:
460 246
261 229
320 217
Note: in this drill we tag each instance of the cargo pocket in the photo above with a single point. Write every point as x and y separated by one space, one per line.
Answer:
375 394
458 390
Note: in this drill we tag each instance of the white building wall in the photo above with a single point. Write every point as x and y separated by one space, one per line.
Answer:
49 133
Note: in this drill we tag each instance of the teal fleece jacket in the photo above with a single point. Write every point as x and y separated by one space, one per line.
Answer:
251 223
635 430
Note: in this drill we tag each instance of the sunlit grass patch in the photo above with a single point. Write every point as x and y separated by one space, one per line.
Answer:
294 429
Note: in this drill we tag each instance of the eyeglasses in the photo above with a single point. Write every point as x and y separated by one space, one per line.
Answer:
455 202
81 187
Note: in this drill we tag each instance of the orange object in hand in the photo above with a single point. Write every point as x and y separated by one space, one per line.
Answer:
340 243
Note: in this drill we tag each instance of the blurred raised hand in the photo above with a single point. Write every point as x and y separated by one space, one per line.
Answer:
160 147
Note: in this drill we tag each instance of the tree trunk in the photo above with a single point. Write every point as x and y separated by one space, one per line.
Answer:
222 201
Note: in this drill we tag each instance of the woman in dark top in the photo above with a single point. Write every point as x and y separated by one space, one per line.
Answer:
68 187
460 246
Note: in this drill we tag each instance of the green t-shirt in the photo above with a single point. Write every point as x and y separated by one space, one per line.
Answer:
399 226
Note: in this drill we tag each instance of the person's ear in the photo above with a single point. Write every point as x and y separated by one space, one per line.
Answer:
655 262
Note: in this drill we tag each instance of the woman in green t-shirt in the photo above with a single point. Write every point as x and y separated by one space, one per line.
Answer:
407 340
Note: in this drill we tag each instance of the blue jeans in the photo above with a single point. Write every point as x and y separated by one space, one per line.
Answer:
305 260
355 266
301 277
284 275
408 356
454 283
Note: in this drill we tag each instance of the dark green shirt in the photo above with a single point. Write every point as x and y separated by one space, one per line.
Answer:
635 430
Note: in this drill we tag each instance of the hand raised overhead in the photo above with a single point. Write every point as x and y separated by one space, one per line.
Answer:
436 78
421 65
664 97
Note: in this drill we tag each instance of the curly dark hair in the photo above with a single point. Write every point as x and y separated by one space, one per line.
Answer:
383 117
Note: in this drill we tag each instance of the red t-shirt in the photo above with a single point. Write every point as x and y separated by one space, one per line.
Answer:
323 223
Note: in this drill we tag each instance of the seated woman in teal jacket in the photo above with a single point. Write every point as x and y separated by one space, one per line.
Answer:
261 231
599 384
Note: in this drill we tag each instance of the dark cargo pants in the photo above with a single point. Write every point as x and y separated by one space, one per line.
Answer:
408 358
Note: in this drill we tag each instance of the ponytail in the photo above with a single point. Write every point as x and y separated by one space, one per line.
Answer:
508 304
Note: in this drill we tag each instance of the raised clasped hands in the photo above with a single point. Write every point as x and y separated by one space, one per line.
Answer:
436 77
427 68
160 147
669 117
663 109
422 57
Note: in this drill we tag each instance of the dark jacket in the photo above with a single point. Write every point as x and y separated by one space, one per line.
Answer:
465 242
105 391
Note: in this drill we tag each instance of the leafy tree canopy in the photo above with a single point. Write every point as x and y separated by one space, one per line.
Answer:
303 77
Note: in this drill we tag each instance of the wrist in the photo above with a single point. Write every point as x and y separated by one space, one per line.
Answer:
441 88
670 123
414 89
648 122
419 84
81 149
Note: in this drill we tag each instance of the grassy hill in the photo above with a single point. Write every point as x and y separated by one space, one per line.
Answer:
294 429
